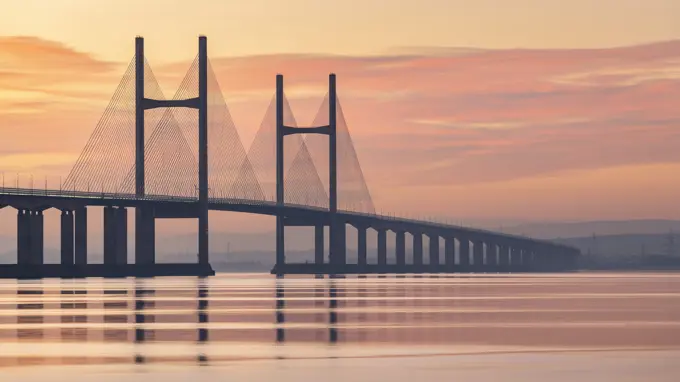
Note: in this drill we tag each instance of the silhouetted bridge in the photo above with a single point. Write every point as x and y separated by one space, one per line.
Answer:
192 161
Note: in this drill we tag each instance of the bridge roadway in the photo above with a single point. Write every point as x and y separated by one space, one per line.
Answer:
465 249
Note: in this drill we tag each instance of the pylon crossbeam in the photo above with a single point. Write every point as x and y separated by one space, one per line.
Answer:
324 130
149 103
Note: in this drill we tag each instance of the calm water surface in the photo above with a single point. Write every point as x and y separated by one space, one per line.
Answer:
623 327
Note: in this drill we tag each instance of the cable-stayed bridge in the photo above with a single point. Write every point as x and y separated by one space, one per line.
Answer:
182 156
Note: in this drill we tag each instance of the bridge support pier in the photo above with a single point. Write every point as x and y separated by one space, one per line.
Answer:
537 260
23 237
504 257
492 256
145 236
318 244
449 253
109 235
417 248
527 257
280 242
464 252
552 262
81 236
121 236
515 257
338 239
401 248
115 236
67 237
361 245
434 250
478 255
382 247
36 237
572 259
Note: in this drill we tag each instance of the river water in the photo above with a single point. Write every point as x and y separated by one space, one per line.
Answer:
587 326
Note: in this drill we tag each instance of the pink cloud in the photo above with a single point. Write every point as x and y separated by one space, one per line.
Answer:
47 74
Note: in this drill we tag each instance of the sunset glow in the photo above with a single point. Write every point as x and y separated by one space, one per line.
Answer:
455 112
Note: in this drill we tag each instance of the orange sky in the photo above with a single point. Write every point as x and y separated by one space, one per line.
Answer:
551 111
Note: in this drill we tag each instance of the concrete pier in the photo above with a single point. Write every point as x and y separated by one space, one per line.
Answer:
382 247
67 237
80 236
121 236
450 253
110 236
417 248
145 240
361 246
434 249
515 257
30 238
115 235
491 255
318 244
37 238
464 252
400 249
338 247
478 254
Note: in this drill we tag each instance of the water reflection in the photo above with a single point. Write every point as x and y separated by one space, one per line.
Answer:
280 315
234 317
361 303
318 307
29 318
319 301
115 315
143 301
73 318
73 313
332 312
203 299
29 306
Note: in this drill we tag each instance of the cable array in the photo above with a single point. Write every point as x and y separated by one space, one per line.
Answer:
353 193
170 166
110 150
262 152
230 173
107 163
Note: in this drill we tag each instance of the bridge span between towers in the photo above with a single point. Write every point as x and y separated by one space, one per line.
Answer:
181 157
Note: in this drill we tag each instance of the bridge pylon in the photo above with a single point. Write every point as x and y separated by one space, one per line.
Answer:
145 216
337 245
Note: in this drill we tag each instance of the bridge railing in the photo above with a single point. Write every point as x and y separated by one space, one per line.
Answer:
89 194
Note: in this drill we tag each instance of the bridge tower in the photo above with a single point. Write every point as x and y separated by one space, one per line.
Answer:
145 216
336 228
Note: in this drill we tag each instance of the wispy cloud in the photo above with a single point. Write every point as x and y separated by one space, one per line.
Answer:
48 73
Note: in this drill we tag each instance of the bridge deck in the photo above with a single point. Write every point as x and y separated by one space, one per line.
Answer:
184 207
484 251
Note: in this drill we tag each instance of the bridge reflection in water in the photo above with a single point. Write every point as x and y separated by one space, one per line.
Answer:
249 316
